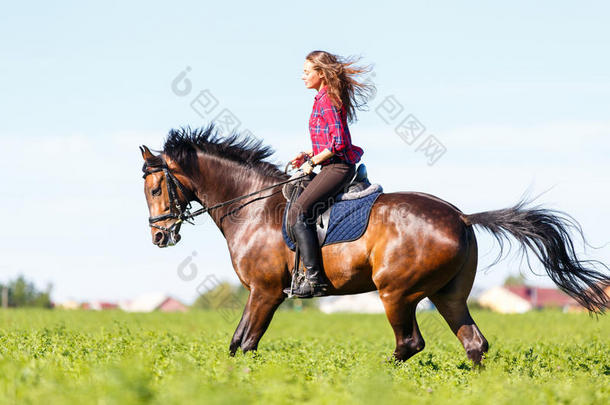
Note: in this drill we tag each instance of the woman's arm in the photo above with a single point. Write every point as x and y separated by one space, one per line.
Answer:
300 158
316 160
322 156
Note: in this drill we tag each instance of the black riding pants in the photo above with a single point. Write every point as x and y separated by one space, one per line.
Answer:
318 191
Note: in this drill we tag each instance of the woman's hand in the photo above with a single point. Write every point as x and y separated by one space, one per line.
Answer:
307 168
298 160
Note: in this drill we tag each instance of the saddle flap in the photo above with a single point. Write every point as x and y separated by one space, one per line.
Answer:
289 188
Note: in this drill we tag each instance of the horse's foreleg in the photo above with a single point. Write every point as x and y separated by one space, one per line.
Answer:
256 318
239 332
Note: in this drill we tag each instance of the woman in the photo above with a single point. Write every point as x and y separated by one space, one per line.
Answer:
339 95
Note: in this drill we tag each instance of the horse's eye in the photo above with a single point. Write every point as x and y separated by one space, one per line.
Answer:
156 192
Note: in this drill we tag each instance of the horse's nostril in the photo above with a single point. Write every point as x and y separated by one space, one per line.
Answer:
158 237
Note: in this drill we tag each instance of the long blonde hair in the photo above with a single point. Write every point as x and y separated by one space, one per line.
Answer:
342 88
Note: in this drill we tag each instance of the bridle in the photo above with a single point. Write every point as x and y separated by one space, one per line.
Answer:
182 211
177 210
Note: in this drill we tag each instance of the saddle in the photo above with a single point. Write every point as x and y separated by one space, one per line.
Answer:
358 187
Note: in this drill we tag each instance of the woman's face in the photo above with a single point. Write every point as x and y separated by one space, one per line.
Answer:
311 77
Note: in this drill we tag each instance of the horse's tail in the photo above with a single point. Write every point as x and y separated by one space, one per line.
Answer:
546 233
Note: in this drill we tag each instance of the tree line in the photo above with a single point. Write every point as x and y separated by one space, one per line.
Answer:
226 295
23 293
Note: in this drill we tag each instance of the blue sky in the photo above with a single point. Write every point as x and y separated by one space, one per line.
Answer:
518 95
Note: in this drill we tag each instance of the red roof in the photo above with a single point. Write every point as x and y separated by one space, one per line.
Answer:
542 297
172 305
99 305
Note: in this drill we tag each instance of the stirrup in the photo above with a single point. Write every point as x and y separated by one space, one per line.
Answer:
307 289
298 278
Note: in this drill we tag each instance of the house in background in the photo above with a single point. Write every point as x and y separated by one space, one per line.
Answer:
153 302
545 297
521 298
99 305
500 299
70 304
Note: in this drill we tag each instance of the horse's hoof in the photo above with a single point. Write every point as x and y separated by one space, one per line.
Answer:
392 360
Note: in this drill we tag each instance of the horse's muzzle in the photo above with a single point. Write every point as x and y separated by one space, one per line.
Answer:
164 239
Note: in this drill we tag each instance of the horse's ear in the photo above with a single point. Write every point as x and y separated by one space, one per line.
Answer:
146 153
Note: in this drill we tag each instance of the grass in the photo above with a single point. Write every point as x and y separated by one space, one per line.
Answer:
114 358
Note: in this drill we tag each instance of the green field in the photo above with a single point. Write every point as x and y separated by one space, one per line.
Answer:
113 357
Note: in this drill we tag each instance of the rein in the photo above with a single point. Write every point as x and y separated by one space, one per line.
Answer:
184 213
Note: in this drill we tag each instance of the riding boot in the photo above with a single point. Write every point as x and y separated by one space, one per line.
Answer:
314 283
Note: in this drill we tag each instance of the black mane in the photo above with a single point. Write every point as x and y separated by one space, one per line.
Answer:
181 145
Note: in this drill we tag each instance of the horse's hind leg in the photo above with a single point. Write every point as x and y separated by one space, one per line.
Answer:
451 303
401 314
461 323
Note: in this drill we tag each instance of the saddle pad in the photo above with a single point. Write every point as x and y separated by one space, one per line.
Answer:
347 222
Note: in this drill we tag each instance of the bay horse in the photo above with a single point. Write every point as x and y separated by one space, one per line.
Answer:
416 245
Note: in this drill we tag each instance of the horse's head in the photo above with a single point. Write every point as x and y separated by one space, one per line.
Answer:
167 196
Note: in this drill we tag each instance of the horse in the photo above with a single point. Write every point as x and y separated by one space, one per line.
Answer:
415 245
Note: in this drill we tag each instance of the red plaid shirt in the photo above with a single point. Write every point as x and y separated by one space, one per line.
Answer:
328 130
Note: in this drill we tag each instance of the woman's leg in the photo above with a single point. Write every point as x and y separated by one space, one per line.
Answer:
326 184
331 179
